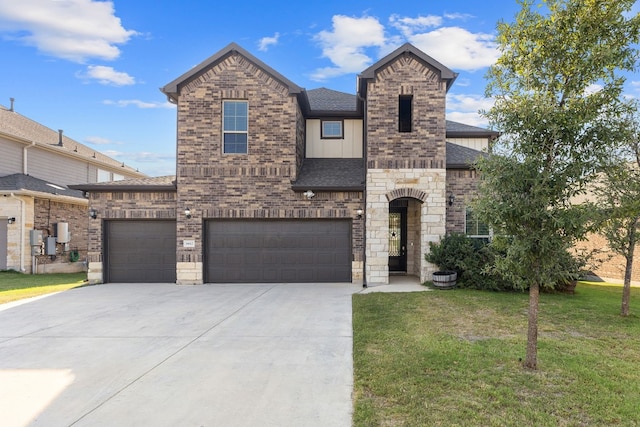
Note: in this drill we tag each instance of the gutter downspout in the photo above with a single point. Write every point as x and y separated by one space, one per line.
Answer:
25 163
364 159
22 237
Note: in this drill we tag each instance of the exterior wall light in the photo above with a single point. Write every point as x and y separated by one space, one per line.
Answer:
93 213
309 194
11 220
359 213
187 213
451 199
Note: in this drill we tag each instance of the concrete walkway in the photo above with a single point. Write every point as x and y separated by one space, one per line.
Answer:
167 355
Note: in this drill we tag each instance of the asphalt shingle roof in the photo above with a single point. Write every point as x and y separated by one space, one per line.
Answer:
331 174
20 182
161 183
459 157
323 99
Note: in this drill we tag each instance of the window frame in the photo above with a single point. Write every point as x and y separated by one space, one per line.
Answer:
226 131
476 226
322 133
405 108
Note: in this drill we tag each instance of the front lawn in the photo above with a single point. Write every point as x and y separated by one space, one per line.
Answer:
453 358
15 286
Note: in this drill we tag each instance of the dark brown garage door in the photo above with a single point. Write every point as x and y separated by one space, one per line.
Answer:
278 251
140 251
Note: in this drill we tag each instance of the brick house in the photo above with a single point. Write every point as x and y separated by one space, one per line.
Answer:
36 164
276 183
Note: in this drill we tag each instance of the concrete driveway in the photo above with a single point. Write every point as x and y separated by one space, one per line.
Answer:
168 355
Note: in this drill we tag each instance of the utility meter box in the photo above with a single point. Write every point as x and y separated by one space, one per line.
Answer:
62 232
35 237
50 247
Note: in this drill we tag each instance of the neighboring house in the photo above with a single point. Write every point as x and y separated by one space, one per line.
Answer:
279 184
36 165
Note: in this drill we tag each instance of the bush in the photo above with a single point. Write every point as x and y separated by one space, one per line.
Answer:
470 258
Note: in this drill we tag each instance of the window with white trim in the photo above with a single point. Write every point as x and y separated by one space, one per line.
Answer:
235 127
331 129
474 227
103 175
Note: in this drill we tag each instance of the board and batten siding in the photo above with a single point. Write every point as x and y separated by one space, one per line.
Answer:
348 147
479 144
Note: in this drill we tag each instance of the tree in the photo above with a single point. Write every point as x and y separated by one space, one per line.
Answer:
618 195
557 90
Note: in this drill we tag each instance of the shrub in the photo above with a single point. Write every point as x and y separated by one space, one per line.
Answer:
470 258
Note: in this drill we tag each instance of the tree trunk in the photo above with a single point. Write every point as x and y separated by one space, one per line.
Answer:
531 361
626 289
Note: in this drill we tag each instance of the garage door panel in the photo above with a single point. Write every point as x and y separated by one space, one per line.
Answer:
140 251
278 251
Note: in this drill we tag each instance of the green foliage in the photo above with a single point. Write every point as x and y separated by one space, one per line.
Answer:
556 129
470 258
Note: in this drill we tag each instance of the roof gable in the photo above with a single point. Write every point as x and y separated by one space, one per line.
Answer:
172 89
445 73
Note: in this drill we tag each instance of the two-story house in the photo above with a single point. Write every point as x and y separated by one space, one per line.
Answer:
43 223
279 184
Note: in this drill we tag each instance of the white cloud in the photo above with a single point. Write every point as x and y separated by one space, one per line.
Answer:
465 108
138 103
408 26
107 76
458 48
98 140
112 153
71 29
265 42
345 45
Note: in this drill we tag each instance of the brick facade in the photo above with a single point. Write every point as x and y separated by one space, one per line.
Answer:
405 164
47 214
463 185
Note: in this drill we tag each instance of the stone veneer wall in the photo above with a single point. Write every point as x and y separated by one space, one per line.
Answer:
18 244
123 205
47 214
463 184
385 185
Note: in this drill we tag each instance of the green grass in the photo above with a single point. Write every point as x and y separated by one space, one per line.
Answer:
15 286
453 358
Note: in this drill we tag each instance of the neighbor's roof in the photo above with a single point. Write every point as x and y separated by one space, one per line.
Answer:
159 183
172 88
21 183
16 126
331 175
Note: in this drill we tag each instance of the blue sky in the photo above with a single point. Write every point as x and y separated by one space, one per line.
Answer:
93 68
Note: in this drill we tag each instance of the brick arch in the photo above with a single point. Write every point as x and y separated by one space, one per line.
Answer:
413 193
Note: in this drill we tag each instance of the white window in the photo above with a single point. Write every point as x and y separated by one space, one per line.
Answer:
235 127
118 177
103 175
474 227
331 129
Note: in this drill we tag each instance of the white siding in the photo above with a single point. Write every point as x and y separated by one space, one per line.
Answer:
480 144
10 157
348 147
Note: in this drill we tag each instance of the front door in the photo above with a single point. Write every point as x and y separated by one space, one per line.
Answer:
398 239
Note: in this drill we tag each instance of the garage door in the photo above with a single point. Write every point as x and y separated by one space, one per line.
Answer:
140 251
278 251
